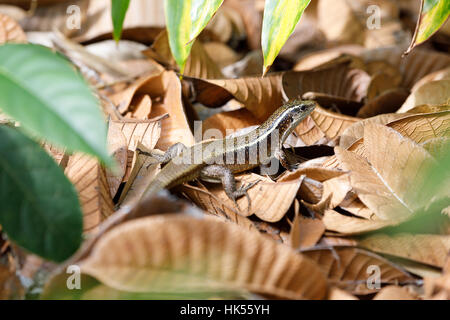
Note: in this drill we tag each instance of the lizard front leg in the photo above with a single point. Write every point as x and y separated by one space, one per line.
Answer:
228 182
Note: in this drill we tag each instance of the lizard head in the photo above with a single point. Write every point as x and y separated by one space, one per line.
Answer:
291 114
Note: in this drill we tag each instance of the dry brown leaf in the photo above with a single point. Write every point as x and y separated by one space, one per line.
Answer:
10 285
220 53
89 178
347 225
265 201
118 148
425 248
414 66
423 127
356 131
261 96
328 123
122 99
339 22
231 120
379 84
350 268
323 58
140 107
437 288
10 30
199 254
391 185
431 93
357 208
337 80
443 74
338 294
389 101
316 173
394 293
167 88
335 191
305 232
215 206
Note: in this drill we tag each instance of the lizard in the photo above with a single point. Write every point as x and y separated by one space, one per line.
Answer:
219 160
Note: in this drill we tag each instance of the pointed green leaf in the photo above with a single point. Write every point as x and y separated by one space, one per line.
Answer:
433 14
185 20
50 99
119 10
280 19
39 206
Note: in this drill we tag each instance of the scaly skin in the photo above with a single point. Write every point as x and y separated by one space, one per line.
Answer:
213 163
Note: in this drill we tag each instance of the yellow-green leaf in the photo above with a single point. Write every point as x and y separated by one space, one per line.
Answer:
118 12
433 14
185 20
280 19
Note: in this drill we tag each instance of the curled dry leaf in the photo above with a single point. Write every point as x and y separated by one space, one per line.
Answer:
199 255
391 185
323 58
335 191
89 178
10 30
231 120
215 206
329 126
347 225
261 96
394 293
356 131
348 268
414 66
388 101
432 93
443 74
265 201
423 127
425 248
337 80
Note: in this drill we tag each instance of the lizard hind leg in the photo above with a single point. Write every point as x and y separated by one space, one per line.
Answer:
229 183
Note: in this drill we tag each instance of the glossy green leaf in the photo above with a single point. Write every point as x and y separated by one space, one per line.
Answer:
185 20
280 19
432 16
50 99
119 10
39 208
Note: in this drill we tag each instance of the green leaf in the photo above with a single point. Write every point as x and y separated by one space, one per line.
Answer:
119 10
39 206
185 20
433 14
280 19
42 91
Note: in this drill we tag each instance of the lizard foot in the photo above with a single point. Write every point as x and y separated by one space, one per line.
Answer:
242 191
